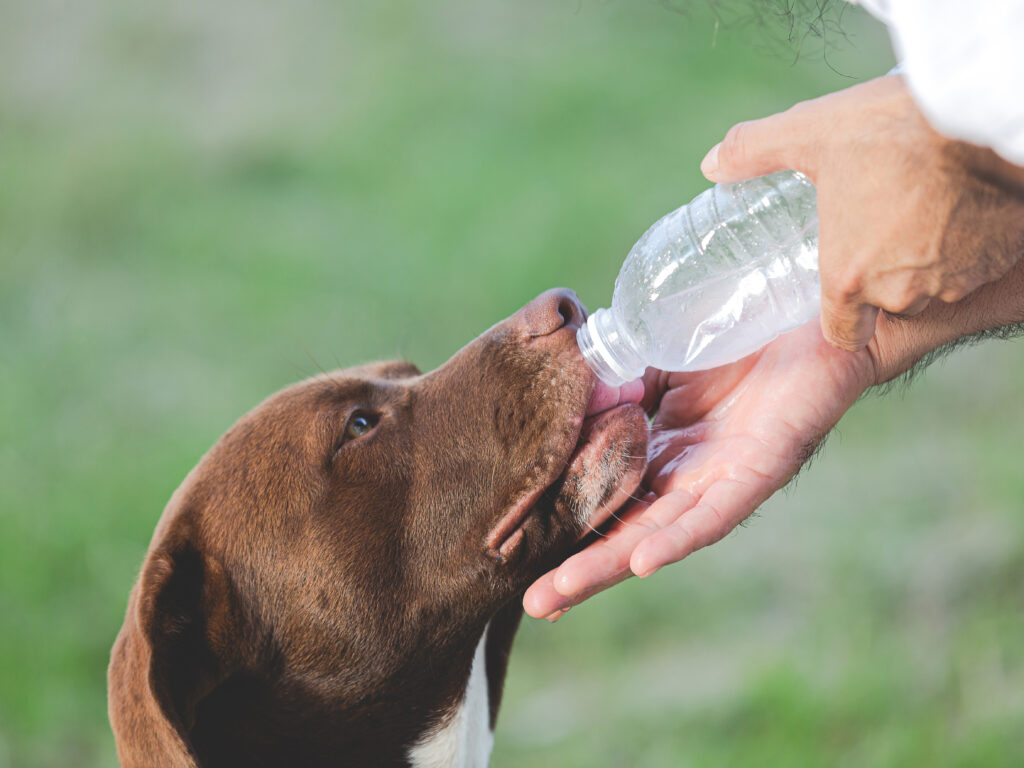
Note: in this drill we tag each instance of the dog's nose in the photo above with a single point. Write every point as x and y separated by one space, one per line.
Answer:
552 310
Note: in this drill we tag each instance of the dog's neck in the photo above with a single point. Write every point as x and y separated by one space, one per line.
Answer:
441 713
464 736
440 710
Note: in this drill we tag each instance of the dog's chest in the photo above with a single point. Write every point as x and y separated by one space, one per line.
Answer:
464 739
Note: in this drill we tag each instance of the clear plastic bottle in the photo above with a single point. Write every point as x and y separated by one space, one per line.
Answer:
712 281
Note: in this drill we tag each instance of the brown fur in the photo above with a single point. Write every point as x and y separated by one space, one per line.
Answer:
312 600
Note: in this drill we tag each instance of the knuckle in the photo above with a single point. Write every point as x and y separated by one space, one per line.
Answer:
693 539
953 293
809 108
932 283
842 339
848 291
843 288
839 297
651 526
715 535
717 528
901 299
734 145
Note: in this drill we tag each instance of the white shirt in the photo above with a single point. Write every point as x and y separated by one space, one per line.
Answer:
964 64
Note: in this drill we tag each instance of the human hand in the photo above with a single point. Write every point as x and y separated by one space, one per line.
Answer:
722 442
725 439
905 214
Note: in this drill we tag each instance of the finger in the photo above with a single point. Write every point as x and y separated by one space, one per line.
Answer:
847 324
601 565
606 561
757 147
589 574
690 396
721 509
914 309
542 600
655 384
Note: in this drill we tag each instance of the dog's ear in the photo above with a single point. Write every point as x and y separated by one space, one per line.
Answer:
171 657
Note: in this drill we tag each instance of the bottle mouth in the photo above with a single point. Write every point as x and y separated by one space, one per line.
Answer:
598 356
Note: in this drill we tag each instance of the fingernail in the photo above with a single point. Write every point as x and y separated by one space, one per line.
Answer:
563 604
643 573
709 164
553 617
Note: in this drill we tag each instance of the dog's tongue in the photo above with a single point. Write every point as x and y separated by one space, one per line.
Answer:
606 397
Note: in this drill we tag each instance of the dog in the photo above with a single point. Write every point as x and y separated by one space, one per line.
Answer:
339 580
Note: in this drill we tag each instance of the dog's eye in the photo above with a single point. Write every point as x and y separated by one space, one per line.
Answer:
359 424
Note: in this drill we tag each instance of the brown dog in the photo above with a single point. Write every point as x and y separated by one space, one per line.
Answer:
338 582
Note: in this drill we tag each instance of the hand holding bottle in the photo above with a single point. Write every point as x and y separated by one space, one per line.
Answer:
906 215
711 282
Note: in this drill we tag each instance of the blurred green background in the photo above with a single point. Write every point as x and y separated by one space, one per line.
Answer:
198 200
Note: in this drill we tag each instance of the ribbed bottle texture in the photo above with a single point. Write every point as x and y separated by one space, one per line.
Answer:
712 281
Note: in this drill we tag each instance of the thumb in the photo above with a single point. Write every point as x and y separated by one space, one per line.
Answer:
758 147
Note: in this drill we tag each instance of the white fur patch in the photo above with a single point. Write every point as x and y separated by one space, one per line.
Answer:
464 738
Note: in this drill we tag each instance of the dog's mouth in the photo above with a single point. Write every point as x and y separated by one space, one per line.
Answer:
602 469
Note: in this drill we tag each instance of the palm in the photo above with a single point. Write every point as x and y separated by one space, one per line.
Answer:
722 442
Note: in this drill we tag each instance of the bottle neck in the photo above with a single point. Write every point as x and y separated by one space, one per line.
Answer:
609 352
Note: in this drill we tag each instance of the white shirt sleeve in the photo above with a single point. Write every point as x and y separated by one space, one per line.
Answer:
964 64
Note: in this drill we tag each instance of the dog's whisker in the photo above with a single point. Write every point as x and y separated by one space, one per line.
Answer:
633 497
612 513
593 529
320 367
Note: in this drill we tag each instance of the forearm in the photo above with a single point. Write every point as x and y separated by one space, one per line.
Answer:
901 343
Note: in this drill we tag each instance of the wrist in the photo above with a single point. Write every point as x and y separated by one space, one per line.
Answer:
985 166
900 342
962 158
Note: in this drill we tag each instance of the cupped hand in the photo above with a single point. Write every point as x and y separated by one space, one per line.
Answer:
722 442
906 215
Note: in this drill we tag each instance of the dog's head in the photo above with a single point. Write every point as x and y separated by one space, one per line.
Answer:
348 536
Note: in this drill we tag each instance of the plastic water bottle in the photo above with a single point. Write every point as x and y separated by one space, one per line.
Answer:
712 281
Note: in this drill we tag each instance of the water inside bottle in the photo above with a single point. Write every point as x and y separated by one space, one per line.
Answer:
726 319
721 277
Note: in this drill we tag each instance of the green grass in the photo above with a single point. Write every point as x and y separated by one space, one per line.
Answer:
199 200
